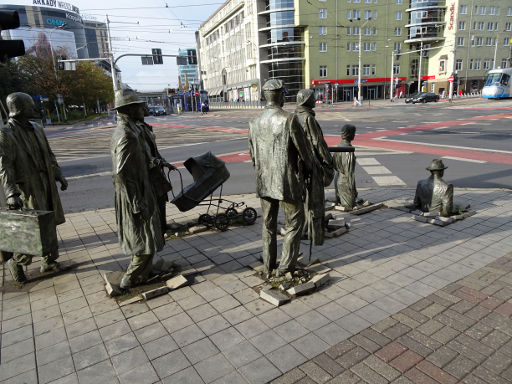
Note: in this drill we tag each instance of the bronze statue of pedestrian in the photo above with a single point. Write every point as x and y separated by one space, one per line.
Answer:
318 179
345 164
281 158
28 175
434 194
138 216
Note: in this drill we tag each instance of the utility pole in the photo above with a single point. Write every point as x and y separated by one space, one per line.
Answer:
359 65
392 76
419 69
111 57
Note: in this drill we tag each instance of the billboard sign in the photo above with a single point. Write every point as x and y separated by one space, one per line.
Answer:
40 41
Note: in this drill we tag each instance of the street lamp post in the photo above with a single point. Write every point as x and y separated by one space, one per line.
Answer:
55 71
391 83
419 69
359 97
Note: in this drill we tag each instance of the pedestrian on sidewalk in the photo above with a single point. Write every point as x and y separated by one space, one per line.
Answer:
315 194
138 218
280 155
28 175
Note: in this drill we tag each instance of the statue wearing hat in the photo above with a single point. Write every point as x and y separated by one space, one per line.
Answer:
315 195
28 174
138 218
434 194
281 156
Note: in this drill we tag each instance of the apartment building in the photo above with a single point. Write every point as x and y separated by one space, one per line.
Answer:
342 47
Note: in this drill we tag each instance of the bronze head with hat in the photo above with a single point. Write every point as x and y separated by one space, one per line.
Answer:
436 165
273 90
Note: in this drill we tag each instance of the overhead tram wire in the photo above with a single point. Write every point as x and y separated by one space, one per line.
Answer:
161 7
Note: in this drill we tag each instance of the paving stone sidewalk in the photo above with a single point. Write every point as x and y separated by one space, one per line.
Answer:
459 334
393 284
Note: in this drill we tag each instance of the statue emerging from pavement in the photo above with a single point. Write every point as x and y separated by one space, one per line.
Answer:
280 154
345 164
318 179
137 199
28 174
434 194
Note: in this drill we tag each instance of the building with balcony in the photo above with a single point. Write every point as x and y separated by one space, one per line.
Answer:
458 39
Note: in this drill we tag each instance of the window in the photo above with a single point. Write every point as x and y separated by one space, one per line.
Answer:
322 31
506 41
366 46
323 71
458 65
460 41
349 45
356 13
488 41
349 31
397 46
322 13
398 31
323 46
481 26
367 31
367 14
398 2
492 11
374 30
349 14
470 63
482 10
355 47
374 15
398 15
356 1
507 27
366 70
462 25
509 11
374 46
368 1
479 41
490 26
374 69
348 70
477 64
487 64
504 63
355 70
463 9
442 66
396 69
355 31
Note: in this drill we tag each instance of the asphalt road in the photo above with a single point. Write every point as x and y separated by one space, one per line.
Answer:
395 142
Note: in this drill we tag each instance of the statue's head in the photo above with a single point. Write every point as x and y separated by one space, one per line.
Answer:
437 167
306 97
348 132
21 105
127 102
273 90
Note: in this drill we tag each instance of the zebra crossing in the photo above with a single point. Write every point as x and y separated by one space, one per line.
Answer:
380 174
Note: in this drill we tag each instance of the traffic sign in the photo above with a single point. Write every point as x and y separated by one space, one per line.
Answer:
450 79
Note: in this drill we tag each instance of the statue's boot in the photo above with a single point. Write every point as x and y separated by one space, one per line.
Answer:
138 271
51 266
16 271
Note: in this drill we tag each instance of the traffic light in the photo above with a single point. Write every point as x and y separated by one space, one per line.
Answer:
157 56
192 56
10 48
181 60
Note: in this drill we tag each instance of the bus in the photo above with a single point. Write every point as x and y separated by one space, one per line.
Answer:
498 84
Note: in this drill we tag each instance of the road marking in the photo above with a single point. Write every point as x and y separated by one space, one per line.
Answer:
388 180
367 161
435 129
463 159
99 174
443 145
376 170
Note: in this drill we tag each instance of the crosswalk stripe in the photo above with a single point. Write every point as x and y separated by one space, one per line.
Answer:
463 159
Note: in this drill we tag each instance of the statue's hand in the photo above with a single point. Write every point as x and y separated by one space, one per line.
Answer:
155 162
14 202
63 183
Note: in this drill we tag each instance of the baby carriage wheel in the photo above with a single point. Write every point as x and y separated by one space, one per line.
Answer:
206 220
231 213
222 221
249 215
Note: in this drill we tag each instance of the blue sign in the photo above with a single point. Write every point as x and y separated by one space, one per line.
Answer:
56 22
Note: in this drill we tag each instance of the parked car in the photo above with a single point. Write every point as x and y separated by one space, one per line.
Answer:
423 97
157 110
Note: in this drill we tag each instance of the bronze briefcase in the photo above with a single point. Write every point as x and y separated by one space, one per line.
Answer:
28 232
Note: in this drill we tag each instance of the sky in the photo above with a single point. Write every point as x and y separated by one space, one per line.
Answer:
139 26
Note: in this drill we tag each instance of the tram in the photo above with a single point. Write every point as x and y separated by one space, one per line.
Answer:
498 84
